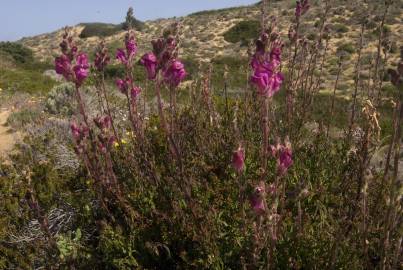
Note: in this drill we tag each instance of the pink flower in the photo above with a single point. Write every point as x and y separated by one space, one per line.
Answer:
101 60
79 132
75 130
261 63
265 76
267 83
257 200
238 159
158 45
275 82
284 161
301 8
149 61
63 66
81 68
275 56
103 122
123 85
135 92
274 149
121 56
175 73
131 46
82 60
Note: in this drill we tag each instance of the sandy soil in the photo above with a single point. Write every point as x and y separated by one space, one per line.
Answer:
7 137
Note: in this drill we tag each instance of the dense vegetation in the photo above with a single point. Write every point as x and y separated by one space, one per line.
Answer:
17 51
20 72
99 30
243 164
243 32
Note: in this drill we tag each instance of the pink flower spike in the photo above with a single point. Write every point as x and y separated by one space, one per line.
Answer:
75 130
101 60
135 92
285 160
131 46
123 85
275 56
121 56
276 81
81 69
149 61
257 201
63 66
238 159
175 73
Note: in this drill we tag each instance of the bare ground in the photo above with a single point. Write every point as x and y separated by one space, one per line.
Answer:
8 138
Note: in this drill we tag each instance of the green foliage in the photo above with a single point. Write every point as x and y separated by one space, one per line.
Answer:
243 31
348 48
213 11
22 118
236 68
194 213
18 52
61 99
340 28
19 71
99 30
386 30
114 71
25 80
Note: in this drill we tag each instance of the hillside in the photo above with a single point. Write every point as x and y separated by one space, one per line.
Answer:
204 33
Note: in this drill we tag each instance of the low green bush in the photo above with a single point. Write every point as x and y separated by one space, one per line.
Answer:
30 81
99 30
243 31
61 100
348 48
18 52
22 118
340 28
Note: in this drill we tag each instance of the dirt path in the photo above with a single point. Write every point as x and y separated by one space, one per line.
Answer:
7 137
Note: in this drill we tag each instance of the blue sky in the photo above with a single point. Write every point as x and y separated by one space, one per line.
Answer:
21 18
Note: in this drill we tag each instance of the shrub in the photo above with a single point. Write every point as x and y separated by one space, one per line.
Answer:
340 28
20 119
99 30
241 182
386 30
236 67
19 53
113 71
30 81
61 100
243 32
346 48
212 12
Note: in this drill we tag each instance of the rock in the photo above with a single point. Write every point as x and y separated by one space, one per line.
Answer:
379 158
53 75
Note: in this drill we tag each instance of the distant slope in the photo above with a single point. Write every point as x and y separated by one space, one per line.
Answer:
203 32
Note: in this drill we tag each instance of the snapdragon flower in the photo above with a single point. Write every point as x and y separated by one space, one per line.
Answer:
238 159
265 76
123 85
257 201
175 73
149 61
81 69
